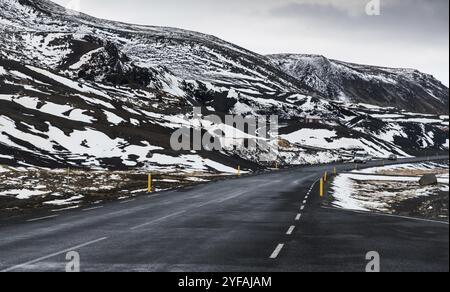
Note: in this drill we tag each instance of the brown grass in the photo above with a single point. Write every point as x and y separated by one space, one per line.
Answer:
94 186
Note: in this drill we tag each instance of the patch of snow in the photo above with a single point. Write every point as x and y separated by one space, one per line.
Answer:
20 75
168 180
3 71
69 83
196 179
310 137
6 97
96 101
6 157
343 190
191 162
54 109
84 59
364 177
22 194
65 202
113 118
369 193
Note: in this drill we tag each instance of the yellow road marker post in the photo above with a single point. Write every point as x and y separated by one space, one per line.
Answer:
322 192
335 171
325 176
239 170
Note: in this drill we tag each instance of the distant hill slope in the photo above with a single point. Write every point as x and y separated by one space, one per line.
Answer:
403 88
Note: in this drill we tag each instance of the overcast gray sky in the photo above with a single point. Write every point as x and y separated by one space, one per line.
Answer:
407 33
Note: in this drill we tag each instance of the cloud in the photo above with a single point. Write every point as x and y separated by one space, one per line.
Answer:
408 21
347 7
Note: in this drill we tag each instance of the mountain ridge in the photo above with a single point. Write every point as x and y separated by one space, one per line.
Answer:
405 88
227 62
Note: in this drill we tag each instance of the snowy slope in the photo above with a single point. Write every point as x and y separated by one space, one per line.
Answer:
404 88
51 121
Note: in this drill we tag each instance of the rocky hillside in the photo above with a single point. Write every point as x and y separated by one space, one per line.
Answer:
407 89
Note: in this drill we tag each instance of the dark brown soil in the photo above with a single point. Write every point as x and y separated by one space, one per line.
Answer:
433 207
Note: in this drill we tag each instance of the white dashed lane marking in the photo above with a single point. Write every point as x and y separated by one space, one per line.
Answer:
42 218
277 251
290 230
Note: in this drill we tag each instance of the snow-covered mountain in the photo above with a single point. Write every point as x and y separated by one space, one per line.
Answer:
84 92
47 35
407 89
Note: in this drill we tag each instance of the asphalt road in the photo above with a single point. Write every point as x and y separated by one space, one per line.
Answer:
270 222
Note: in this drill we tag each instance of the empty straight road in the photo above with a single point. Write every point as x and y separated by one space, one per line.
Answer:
270 222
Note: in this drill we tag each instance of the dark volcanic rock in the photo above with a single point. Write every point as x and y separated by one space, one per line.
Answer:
428 180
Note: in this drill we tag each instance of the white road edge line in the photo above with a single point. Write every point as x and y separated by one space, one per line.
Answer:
291 230
42 218
302 207
277 251
157 220
304 202
127 201
299 216
92 208
53 255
